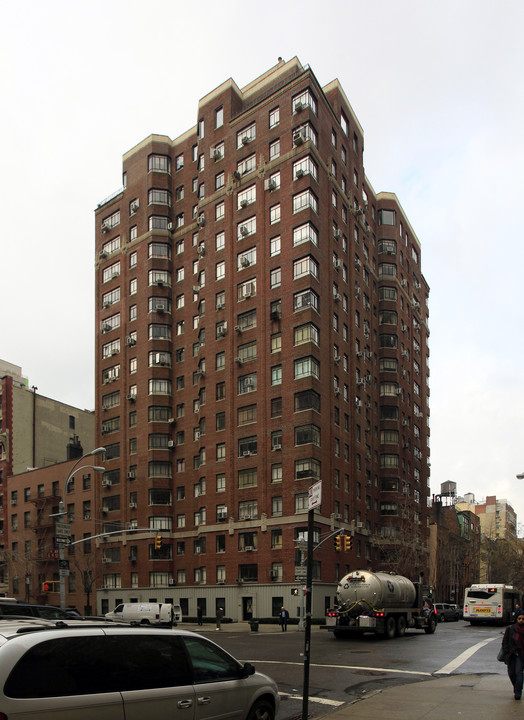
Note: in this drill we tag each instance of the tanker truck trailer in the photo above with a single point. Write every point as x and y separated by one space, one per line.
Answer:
383 603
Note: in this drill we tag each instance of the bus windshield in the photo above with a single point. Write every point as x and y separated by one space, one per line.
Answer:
481 594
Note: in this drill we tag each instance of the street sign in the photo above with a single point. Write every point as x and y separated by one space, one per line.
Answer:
315 495
63 564
300 572
63 573
63 529
63 540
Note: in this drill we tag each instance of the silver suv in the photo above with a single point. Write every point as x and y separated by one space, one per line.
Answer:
445 611
79 670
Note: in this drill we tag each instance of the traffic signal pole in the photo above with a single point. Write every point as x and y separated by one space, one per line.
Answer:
307 634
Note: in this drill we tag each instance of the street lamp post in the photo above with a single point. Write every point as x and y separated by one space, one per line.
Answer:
65 528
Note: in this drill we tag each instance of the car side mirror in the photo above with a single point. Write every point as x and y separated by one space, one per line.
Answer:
247 670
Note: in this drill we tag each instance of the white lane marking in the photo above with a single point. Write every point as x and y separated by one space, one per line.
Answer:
322 701
347 667
461 659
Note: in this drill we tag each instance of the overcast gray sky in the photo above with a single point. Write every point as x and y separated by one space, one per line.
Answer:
438 89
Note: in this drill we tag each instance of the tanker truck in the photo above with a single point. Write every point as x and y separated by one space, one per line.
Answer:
380 602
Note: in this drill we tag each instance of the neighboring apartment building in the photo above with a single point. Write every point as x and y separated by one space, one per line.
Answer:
262 325
35 432
498 519
454 541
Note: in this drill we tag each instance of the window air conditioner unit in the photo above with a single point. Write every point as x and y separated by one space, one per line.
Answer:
299 173
299 106
106 561
358 403
246 140
273 575
277 446
337 392
238 329
338 516
201 250
159 282
106 482
336 358
133 505
298 138
102 254
270 184
170 226
160 308
13 502
105 429
247 453
244 203
248 548
196 288
215 154
221 332
239 360
337 264
337 297
135 205
249 382
220 304
130 340
337 233
106 226
236 175
404 283
87 516
369 354
170 444
244 230
131 474
201 221
106 327
171 582
131 397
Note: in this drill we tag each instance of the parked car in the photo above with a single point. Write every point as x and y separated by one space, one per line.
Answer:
11 607
445 611
86 669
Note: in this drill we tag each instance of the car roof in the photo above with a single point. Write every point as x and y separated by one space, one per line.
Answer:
14 626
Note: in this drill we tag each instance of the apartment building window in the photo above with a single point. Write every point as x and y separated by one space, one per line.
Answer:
160 331
307 468
305 166
303 100
247 383
307 367
247 351
276 342
246 197
220 211
276 473
387 217
305 266
248 509
160 163
303 133
111 246
276 539
111 297
276 506
275 277
220 241
133 286
247 415
111 272
160 278
159 413
274 149
247 165
220 453
247 320
305 299
274 117
220 270
304 200
307 435
247 446
274 246
220 180
276 407
246 228
308 332
246 135
158 222
156 196
111 221
159 496
307 400
276 375
301 502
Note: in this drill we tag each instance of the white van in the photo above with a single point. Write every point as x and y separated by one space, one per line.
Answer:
147 613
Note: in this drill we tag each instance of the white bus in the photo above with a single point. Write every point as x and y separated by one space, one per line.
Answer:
491 603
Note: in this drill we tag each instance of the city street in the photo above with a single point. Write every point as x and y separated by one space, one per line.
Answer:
344 670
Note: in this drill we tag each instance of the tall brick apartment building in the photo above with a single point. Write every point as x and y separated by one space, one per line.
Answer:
262 321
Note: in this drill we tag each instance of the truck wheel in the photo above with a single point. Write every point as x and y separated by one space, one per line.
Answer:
390 627
431 626
401 626
145 622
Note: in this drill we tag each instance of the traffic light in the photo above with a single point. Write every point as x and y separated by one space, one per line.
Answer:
348 542
338 543
50 586
158 542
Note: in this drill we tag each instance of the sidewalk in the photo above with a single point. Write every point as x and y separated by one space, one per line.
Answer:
465 697
468 697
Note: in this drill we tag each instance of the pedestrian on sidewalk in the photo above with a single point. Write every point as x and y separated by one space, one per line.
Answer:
284 617
199 614
220 615
513 647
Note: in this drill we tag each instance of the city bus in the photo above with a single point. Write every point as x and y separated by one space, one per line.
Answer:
495 602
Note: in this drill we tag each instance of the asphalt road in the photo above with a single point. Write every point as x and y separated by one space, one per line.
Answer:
343 670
